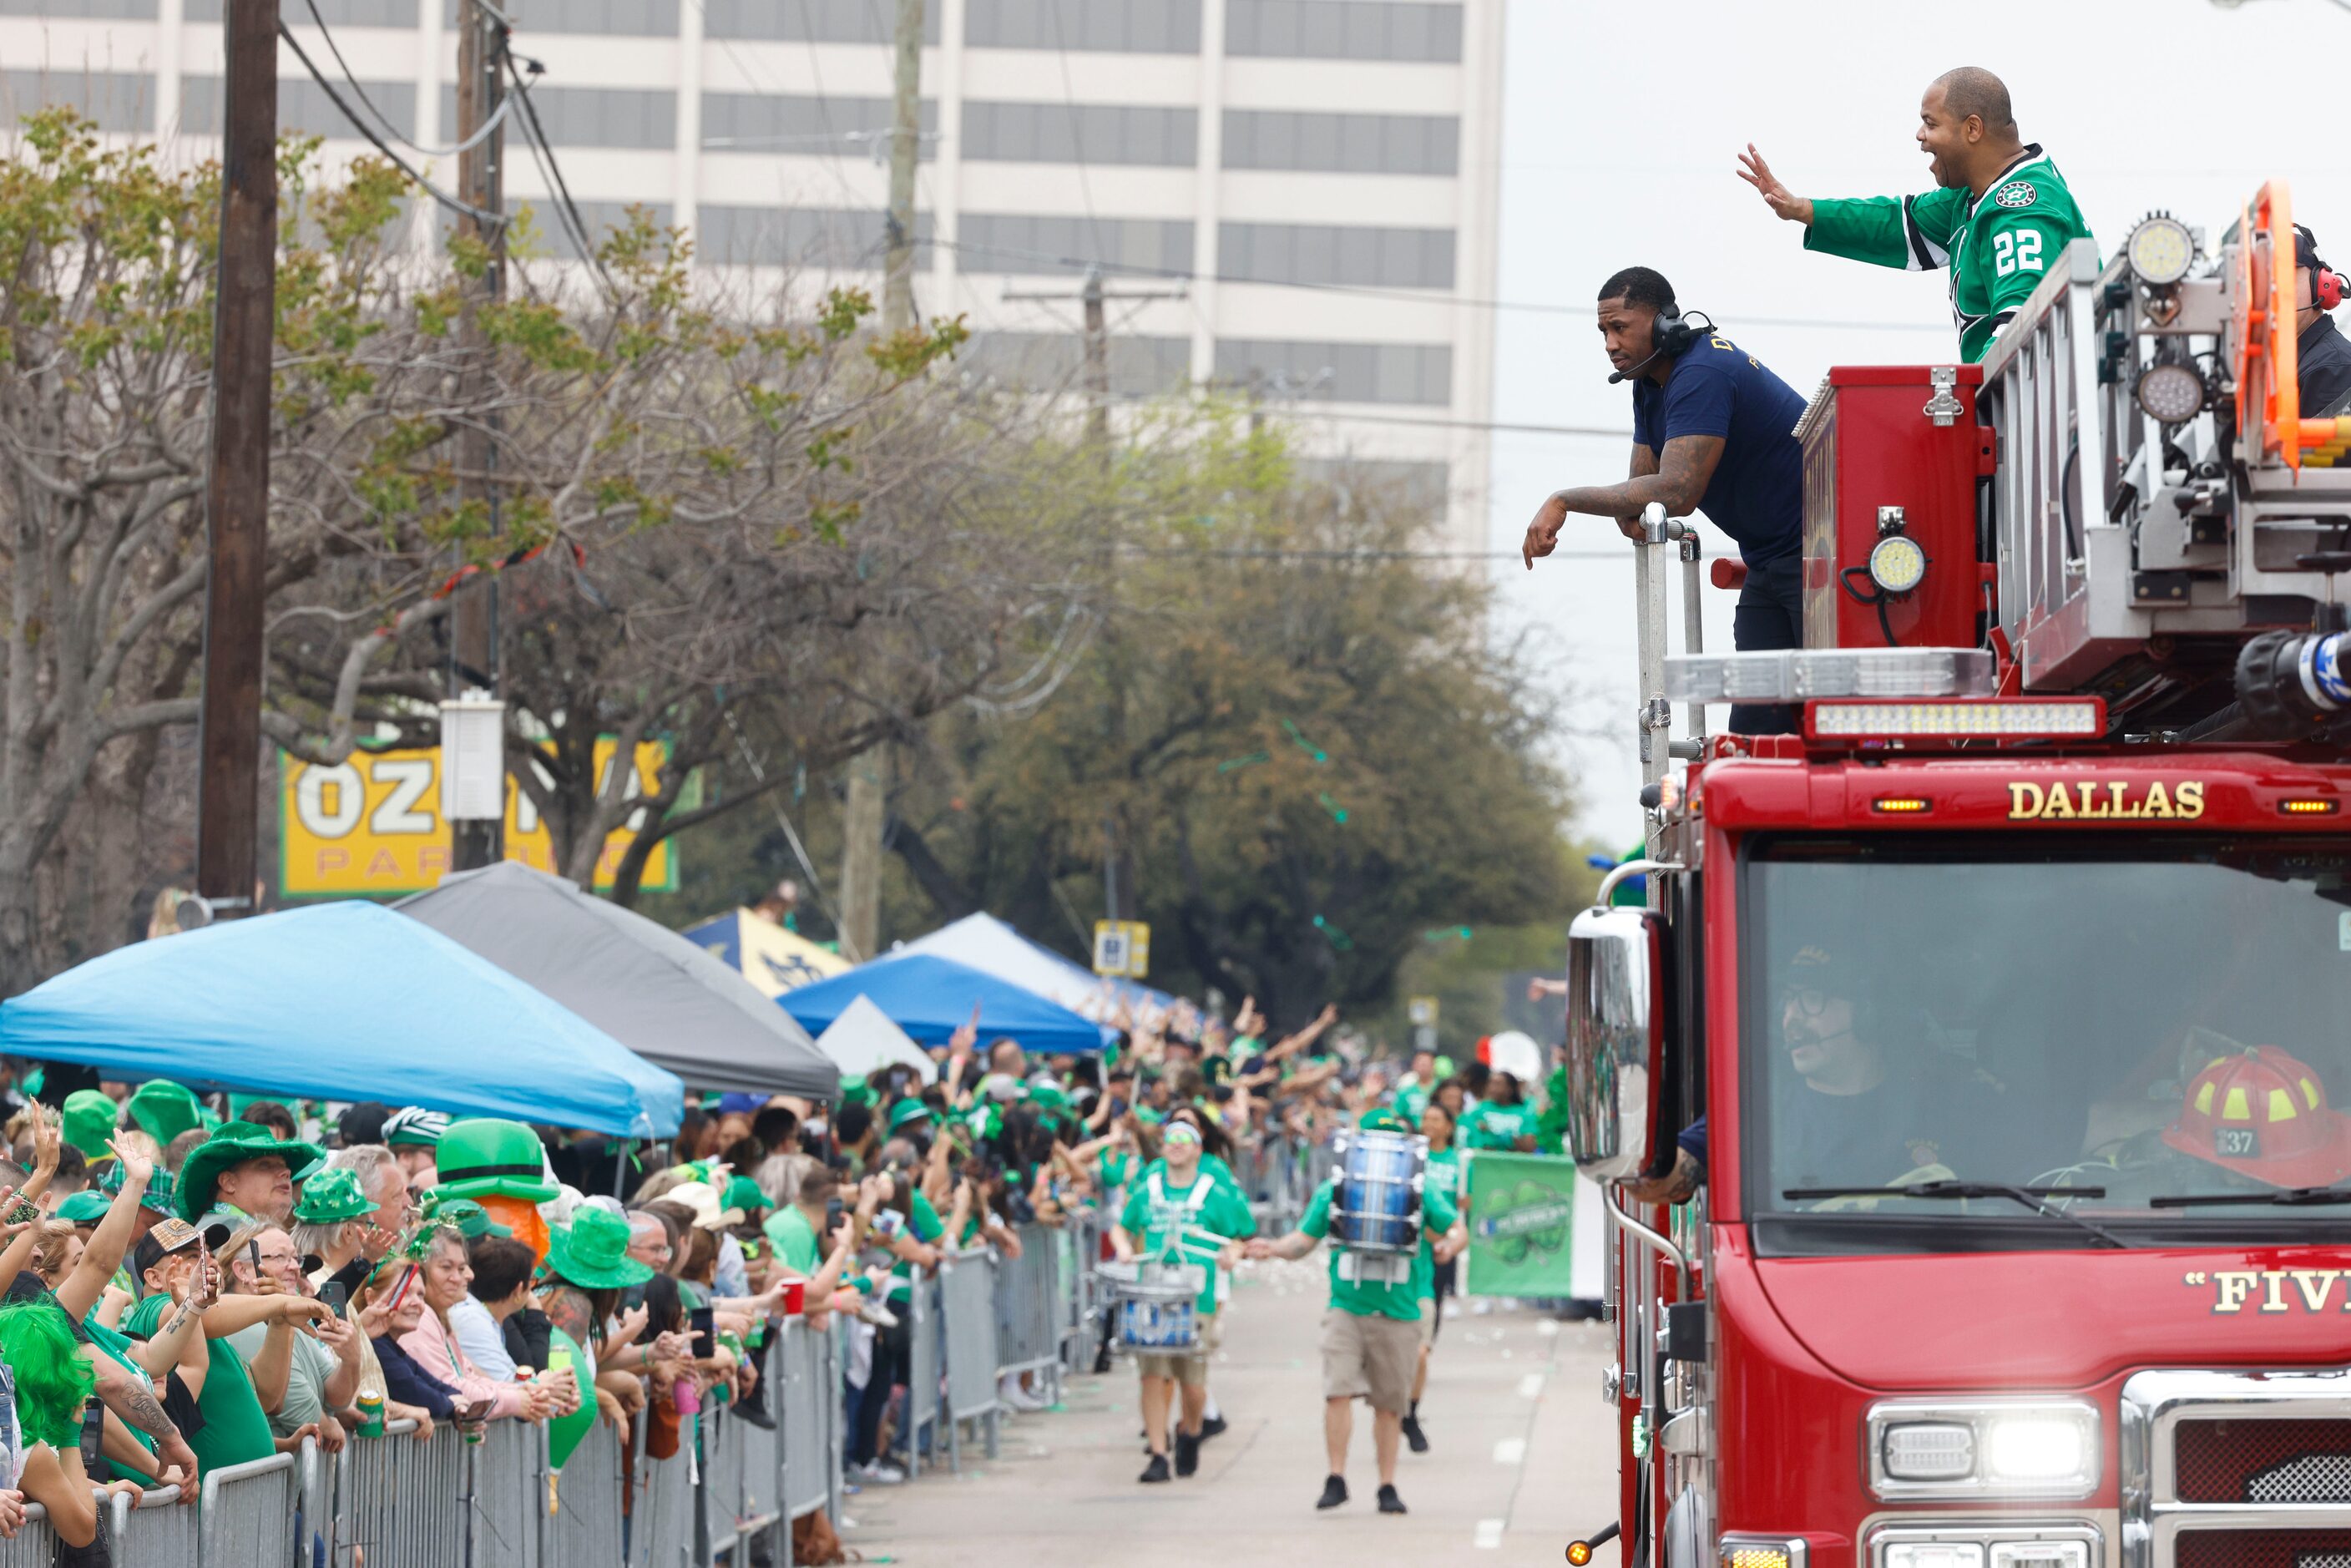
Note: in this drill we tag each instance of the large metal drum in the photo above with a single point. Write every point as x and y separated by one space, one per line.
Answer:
1375 1191
1154 1308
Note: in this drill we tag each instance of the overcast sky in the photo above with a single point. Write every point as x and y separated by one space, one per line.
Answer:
1614 156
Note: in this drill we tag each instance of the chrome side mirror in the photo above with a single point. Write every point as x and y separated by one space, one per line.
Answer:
1615 1041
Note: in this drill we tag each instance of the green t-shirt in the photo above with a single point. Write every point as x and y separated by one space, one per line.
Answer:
1115 1168
1160 1216
235 1431
306 1378
1365 1300
1411 1100
1999 247
793 1237
1213 1167
926 1226
1500 1126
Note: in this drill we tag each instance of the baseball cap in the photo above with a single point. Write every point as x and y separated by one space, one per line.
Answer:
738 1104
166 1237
415 1126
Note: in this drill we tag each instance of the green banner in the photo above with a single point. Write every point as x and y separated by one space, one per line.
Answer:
1522 1213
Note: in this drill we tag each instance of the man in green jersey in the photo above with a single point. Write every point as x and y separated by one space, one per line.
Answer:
1180 1214
2000 216
1371 1335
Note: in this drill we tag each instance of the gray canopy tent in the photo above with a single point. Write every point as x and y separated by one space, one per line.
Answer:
640 982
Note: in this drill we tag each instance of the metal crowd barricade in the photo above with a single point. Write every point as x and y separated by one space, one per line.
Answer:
583 1525
248 1513
158 1534
808 1421
739 1491
660 1524
507 1479
397 1502
1026 1337
925 1365
967 1311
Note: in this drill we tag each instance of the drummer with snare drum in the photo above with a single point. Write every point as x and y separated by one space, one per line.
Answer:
1389 1227
1179 1224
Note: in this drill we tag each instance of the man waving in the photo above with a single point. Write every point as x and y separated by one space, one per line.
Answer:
1998 219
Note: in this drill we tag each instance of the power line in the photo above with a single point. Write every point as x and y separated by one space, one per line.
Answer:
543 155
366 131
467 145
1420 296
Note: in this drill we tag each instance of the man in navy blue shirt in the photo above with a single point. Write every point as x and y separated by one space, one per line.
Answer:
1713 431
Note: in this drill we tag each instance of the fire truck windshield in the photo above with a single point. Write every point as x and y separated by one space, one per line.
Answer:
2159 1019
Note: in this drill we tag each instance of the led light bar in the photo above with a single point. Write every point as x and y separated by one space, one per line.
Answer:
2005 717
1801 673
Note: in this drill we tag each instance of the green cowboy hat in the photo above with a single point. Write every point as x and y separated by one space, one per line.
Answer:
165 1110
331 1197
485 1156
85 1208
160 1186
592 1253
90 1123
856 1091
231 1143
1048 1095
906 1111
1382 1119
743 1193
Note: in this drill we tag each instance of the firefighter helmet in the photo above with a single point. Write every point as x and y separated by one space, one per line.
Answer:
2263 1114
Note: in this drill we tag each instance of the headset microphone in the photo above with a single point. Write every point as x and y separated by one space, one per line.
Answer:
1672 334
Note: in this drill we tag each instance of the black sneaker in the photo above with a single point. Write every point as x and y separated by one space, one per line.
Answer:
1210 1426
1415 1436
1389 1502
1156 1470
1187 1454
1334 1492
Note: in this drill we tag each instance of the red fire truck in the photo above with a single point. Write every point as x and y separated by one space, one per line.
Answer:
2009 1000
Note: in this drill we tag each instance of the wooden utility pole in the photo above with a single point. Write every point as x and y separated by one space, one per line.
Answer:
236 492
481 185
862 807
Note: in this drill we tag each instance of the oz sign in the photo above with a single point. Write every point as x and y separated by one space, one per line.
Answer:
372 824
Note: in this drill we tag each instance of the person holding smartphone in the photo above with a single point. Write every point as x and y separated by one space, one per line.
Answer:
301 1377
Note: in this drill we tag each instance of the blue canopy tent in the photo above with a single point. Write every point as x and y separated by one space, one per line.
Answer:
342 1001
931 998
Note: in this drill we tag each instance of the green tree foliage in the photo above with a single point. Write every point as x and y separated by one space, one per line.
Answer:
1292 736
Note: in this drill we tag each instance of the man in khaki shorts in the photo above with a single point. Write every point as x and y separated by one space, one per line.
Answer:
1177 1213
1372 1332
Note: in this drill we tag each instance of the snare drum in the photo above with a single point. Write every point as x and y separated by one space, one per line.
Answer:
1156 1310
1375 1191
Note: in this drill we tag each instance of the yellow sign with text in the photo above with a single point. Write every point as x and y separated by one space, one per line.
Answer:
372 825
2112 802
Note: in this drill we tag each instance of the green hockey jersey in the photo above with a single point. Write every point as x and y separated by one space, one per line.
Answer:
1998 248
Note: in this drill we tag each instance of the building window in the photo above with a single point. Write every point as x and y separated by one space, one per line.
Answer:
1055 362
304 108
1340 373
1080 133
1342 143
788 124
334 13
592 116
819 238
1128 27
109 99
1331 253
1344 29
1035 243
1422 486
95 10
629 18
812 21
600 219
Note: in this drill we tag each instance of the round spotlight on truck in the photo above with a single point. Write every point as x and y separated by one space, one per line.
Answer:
2161 250
1897 564
2172 394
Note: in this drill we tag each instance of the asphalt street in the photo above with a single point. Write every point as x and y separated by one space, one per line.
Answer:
1521 1460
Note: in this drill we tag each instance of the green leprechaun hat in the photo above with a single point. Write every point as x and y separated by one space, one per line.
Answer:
486 1156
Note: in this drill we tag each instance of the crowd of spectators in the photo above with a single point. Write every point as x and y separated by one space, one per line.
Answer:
195 1281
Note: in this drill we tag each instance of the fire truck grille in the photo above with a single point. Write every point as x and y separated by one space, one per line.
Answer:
2276 1549
2292 1462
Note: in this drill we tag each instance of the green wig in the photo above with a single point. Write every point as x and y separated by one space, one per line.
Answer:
53 1382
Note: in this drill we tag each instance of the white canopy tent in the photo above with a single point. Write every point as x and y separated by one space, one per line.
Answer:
984 943
863 1038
